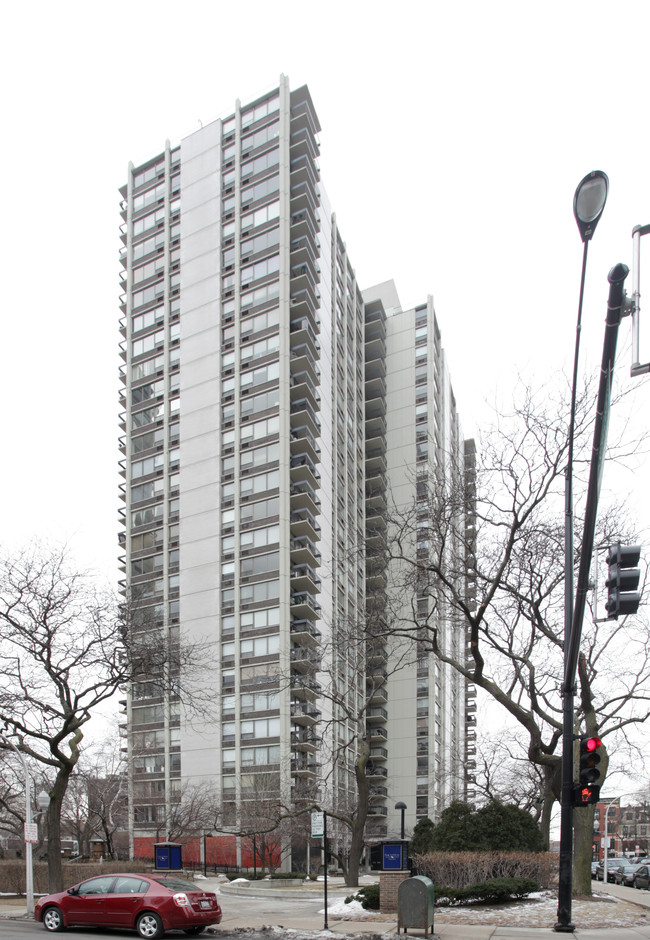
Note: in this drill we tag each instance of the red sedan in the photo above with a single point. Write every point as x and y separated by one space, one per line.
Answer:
150 904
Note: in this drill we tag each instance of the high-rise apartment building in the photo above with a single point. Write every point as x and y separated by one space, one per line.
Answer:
269 409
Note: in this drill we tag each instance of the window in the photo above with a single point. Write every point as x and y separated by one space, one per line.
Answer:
259 619
255 512
256 756
260 564
260 538
252 485
259 111
260 456
261 216
260 701
260 592
260 728
265 347
260 645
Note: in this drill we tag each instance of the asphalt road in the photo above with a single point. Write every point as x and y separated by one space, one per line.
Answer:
237 912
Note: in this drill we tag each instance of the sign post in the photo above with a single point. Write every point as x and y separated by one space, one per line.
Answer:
319 831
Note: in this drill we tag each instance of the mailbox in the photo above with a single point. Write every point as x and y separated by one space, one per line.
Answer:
168 856
415 903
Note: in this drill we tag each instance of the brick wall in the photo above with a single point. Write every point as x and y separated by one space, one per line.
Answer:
389 882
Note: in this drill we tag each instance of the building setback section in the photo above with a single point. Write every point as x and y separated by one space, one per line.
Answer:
271 411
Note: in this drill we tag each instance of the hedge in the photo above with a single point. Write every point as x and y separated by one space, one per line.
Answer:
460 869
12 873
492 891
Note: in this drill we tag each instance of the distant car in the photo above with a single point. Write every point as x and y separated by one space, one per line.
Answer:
612 863
624 875
594 866
148 904
642 877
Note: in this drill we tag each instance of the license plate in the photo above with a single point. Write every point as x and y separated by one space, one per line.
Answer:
205 905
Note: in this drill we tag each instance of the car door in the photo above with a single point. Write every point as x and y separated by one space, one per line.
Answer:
125 900
88 904
641 877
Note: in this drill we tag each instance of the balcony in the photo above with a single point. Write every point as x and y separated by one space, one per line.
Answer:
304 442
303 551
303 414
303 768
303 367
304 739
303 522
304 578
377 734
376 715
303 144
304 659
304 632
304 713
304 605
374 771
305 688
377 810
378 694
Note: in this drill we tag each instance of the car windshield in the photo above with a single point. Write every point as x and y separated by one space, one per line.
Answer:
177 884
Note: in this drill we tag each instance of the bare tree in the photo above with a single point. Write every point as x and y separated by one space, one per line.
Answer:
195 812
508 517
65 648
356 665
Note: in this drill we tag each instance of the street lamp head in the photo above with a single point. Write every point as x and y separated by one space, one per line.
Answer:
400 805
589 201
43 801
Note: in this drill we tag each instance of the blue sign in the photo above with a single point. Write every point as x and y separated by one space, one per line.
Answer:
392 856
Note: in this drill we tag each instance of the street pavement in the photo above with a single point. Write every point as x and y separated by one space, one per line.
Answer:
253 912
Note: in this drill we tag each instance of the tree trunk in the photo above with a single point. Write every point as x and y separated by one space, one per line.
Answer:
360 817
552 776
57 793
583 836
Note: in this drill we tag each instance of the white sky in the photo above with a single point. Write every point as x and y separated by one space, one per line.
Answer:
445 125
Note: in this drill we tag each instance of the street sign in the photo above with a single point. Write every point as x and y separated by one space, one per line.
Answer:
31 833
317 825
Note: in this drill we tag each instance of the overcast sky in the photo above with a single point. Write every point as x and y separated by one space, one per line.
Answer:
453 138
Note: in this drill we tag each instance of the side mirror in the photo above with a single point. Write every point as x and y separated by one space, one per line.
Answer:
73 890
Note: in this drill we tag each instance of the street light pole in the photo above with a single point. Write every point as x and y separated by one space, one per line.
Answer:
29 870
402 808
588 204
611 803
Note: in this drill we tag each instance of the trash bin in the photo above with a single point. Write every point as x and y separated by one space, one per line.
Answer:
415 903
168 856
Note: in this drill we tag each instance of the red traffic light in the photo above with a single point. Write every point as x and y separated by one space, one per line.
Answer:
592 743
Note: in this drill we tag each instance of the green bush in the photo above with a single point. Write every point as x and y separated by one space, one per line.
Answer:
492 891
368 896
286 875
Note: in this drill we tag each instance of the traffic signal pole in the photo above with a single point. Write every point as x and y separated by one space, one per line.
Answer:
616 278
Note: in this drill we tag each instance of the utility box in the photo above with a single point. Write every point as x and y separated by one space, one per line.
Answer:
415 903
168 856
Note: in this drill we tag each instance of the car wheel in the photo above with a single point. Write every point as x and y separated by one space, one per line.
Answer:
193 931
52 919
149 925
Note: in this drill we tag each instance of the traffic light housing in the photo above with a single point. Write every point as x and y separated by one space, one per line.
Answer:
587 790
623 580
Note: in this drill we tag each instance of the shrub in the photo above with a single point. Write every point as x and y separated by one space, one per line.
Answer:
492 891
286 875
460 869
368 896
